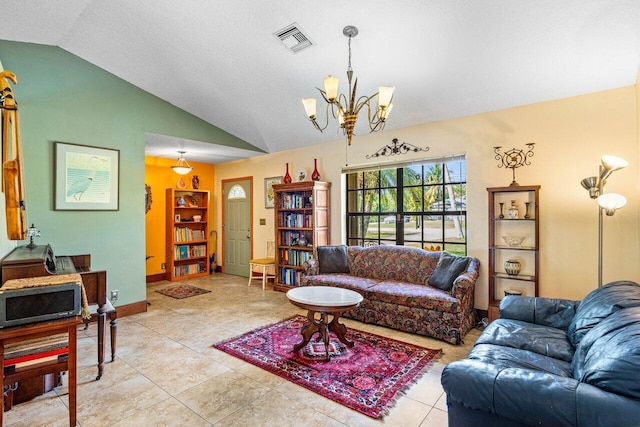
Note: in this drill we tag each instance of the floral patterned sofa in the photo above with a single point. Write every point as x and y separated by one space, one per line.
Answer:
400 289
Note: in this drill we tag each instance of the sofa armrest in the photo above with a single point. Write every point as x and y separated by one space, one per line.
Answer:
562 401
465 284
553 312
311 267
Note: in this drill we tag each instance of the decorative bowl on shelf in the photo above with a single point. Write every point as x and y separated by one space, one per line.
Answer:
513 241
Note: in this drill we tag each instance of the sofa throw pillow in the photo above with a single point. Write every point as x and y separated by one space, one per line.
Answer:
333 259
448 268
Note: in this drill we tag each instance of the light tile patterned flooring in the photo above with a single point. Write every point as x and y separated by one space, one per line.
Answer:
167 374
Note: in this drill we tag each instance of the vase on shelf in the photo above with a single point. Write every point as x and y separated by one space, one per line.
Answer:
526 210
195 182
315 176
287 177
513 213
501 216
512 267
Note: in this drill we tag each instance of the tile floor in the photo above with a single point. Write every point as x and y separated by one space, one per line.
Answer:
167 374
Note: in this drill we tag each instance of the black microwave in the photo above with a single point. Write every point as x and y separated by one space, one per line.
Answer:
39 304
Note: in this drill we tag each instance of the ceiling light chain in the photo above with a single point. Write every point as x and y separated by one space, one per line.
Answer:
345 109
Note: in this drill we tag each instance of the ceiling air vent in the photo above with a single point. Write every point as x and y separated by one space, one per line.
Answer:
293 38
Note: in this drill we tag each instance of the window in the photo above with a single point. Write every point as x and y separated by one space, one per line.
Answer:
237 192
420 205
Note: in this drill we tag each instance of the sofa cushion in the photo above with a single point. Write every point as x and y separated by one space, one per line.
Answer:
601 303
399 263
539 339
410 295
339 280
448 268
333 259
609 354
508 357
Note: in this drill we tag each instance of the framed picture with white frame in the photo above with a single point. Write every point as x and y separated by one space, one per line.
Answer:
86 178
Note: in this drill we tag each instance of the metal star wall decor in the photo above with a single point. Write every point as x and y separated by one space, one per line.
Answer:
396 149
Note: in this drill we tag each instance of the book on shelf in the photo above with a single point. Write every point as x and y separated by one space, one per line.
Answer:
38 350
188 269
296 257
295 201
33 359
297 220
186 234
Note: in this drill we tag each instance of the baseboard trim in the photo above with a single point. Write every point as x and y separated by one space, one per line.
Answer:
156 277
131 309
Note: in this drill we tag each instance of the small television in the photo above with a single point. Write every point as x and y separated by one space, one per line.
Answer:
39 303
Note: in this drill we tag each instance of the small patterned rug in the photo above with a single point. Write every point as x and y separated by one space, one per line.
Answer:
366 377
182 291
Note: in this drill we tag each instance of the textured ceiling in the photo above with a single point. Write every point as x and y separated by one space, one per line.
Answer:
220 60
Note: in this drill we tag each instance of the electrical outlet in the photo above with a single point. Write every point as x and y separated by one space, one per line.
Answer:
163 266
114 295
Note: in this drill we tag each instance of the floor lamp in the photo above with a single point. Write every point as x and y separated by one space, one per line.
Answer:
607 203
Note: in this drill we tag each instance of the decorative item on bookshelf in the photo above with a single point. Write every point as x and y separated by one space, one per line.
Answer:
501 213
195 182
512 267
195 200
513 210
180 184
302 241
176 218
181 202
302 175
526 210
513 159
315 176
287 177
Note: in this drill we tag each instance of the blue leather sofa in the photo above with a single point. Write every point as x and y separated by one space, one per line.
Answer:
553 362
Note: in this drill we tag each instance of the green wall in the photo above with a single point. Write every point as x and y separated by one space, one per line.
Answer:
64 98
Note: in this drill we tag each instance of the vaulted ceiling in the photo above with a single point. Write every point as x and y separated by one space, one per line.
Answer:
221 62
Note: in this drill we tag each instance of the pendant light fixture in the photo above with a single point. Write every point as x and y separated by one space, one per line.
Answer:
182 167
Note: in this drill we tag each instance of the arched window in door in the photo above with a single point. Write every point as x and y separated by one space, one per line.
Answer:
237 192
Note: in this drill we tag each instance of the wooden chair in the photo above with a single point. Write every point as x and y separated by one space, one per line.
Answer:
263 264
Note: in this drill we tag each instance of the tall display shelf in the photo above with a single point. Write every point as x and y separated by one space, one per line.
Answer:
187 247
513 264
301 224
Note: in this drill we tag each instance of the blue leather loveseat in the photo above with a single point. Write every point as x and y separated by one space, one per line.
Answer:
553 362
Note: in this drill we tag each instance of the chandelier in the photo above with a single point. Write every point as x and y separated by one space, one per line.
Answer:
345 108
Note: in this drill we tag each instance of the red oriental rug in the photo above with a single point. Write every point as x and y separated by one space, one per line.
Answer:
182 291
366 377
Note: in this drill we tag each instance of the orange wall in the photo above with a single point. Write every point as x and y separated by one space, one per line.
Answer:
159 176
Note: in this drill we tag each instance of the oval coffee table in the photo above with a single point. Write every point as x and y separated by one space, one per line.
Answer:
324 300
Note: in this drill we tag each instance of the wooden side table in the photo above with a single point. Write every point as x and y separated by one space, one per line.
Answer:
324 300
38 330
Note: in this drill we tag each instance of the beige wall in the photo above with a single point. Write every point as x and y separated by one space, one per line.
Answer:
570 135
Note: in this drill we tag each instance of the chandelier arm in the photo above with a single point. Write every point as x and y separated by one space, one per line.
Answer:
376 123
324 95
315 122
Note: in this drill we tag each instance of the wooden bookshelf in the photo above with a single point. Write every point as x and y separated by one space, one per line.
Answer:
187 248
302 215
527 224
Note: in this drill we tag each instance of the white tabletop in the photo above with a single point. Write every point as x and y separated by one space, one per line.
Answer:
327 296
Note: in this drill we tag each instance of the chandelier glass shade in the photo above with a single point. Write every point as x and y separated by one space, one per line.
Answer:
345 108
182 167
